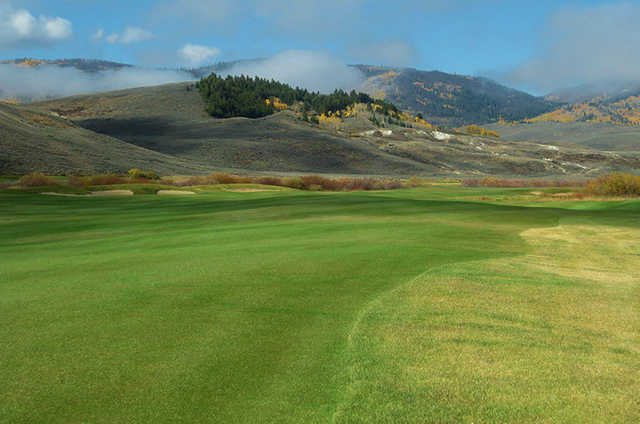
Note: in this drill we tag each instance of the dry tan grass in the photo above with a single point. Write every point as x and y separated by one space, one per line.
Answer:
45 121
549 335
248 190
173 192
51 193
106 193
599 253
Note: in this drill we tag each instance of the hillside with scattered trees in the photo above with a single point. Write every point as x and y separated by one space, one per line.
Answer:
243 96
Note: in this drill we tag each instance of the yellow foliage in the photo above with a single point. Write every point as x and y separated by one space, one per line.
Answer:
30 63
380 95
389 75
330 118
482 132
277 103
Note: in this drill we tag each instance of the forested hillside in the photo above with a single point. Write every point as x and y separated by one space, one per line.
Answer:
451 100
242 96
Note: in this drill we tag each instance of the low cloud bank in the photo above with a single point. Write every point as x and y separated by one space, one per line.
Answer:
50 81
584 45
307 69
315 71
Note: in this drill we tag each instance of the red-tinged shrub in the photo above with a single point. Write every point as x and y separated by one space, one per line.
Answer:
416 182
37 179
136 174
308 182
107 179
622 185
76 181
243 180
272 181
215 178
293 182
225 178
316 180
507 183
392 185
200 180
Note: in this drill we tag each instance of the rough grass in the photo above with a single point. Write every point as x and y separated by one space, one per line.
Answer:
474 343
417 305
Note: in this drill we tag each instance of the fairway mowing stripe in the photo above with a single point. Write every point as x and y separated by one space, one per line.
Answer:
362 314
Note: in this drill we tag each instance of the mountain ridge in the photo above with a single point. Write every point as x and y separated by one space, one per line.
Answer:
445 99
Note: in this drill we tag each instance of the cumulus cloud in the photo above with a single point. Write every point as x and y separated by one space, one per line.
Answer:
98 35
196 55
19 26
585 45
316 71
53 81
130 35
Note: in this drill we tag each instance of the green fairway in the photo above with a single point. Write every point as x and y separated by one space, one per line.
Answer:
425 305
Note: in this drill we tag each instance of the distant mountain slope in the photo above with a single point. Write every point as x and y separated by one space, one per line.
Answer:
623 108
86 65
171 120
444 99
33 140
604 90
602 116
451 100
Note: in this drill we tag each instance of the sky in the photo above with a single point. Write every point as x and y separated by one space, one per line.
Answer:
537 46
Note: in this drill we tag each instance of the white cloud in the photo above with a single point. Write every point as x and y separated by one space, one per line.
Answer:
195 55
312 70
56 28
20 26
130 35
585 45
98 34
49 81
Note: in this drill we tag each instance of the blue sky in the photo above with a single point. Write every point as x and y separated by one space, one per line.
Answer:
516 42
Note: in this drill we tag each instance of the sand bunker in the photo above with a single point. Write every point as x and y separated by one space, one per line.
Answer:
112 193
105 193
248 190
173 192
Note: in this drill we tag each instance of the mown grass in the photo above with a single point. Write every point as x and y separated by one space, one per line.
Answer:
420 305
